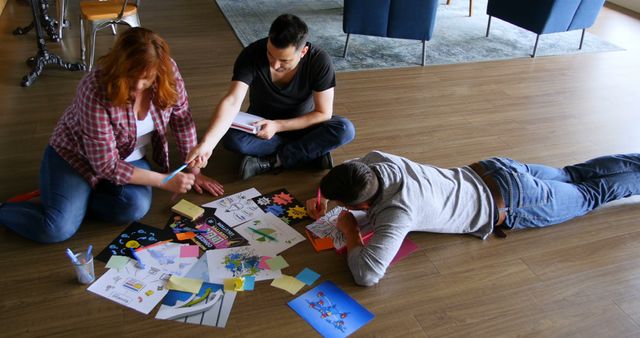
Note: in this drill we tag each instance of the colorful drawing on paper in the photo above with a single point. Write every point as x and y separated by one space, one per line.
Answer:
282 204
270 235
236 262
214 316
218 235
166 256
136 235
330 310
237 208
325 226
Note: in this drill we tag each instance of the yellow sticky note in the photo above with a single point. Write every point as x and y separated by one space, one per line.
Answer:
187 209
229 284
184 284
288 284
239 284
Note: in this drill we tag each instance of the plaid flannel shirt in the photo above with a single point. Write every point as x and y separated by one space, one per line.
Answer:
95 137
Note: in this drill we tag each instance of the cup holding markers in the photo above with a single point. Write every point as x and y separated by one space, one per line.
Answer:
83 264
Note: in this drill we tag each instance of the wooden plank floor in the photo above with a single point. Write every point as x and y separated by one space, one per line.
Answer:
581 279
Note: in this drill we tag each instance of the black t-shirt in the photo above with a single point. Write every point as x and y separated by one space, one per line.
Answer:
315 73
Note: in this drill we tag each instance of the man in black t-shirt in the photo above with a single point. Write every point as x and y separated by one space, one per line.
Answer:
292 87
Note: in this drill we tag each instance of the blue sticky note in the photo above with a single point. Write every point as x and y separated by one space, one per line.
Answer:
249 281
308 276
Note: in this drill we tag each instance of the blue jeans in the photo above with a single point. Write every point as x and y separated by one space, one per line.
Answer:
66 197
537 195
295 148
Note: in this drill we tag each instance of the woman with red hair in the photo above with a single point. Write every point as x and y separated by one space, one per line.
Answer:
95 163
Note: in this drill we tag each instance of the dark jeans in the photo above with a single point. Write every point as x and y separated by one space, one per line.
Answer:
295 148
66 197
538 196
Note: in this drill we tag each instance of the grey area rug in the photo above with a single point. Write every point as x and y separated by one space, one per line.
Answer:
457 38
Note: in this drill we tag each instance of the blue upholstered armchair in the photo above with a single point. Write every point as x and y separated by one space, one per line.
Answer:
546 16
403 19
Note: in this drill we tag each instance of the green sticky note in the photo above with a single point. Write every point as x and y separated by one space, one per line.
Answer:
276 263
117 262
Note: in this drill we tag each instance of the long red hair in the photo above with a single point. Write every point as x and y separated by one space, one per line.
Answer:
137 53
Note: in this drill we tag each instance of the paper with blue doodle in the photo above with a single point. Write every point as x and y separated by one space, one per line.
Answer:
237 262
166 256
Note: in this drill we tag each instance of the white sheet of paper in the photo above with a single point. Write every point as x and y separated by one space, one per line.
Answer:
285 236
237 262
138 289
166 256
244 121
237 208
216 316
325 226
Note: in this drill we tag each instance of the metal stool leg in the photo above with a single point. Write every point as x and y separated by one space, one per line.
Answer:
92 56
424 52
535 47
346 46
488 26
582 38
83 46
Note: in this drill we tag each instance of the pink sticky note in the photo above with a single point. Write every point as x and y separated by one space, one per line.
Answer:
263 264
189 251
407 248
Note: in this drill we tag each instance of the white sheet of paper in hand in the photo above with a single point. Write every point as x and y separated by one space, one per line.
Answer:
325 226
237 208
244 122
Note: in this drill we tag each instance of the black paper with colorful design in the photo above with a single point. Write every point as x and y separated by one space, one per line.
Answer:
134 236
282 204
218 235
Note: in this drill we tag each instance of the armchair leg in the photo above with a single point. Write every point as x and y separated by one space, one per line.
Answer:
424 52
535 46
346 46
581 39
470 8
488 26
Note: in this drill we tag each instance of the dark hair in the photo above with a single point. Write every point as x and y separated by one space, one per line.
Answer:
350 183
288 30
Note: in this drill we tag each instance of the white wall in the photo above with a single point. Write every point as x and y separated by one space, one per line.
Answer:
633 5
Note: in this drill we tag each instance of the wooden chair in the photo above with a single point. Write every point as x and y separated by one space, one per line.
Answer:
102 14
470 6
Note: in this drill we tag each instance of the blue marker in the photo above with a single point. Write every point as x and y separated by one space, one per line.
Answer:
190 230
89 252
139 263
174 173
72 256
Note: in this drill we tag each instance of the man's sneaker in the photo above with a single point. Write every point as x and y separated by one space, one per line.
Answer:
252 166
323 162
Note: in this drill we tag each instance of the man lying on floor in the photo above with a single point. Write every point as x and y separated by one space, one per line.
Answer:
401 196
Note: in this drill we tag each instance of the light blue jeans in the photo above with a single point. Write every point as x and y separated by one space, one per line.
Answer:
537 195
66 197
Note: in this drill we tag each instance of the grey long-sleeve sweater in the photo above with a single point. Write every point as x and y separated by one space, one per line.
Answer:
418 197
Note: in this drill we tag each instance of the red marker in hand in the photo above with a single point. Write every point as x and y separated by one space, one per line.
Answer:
318 200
